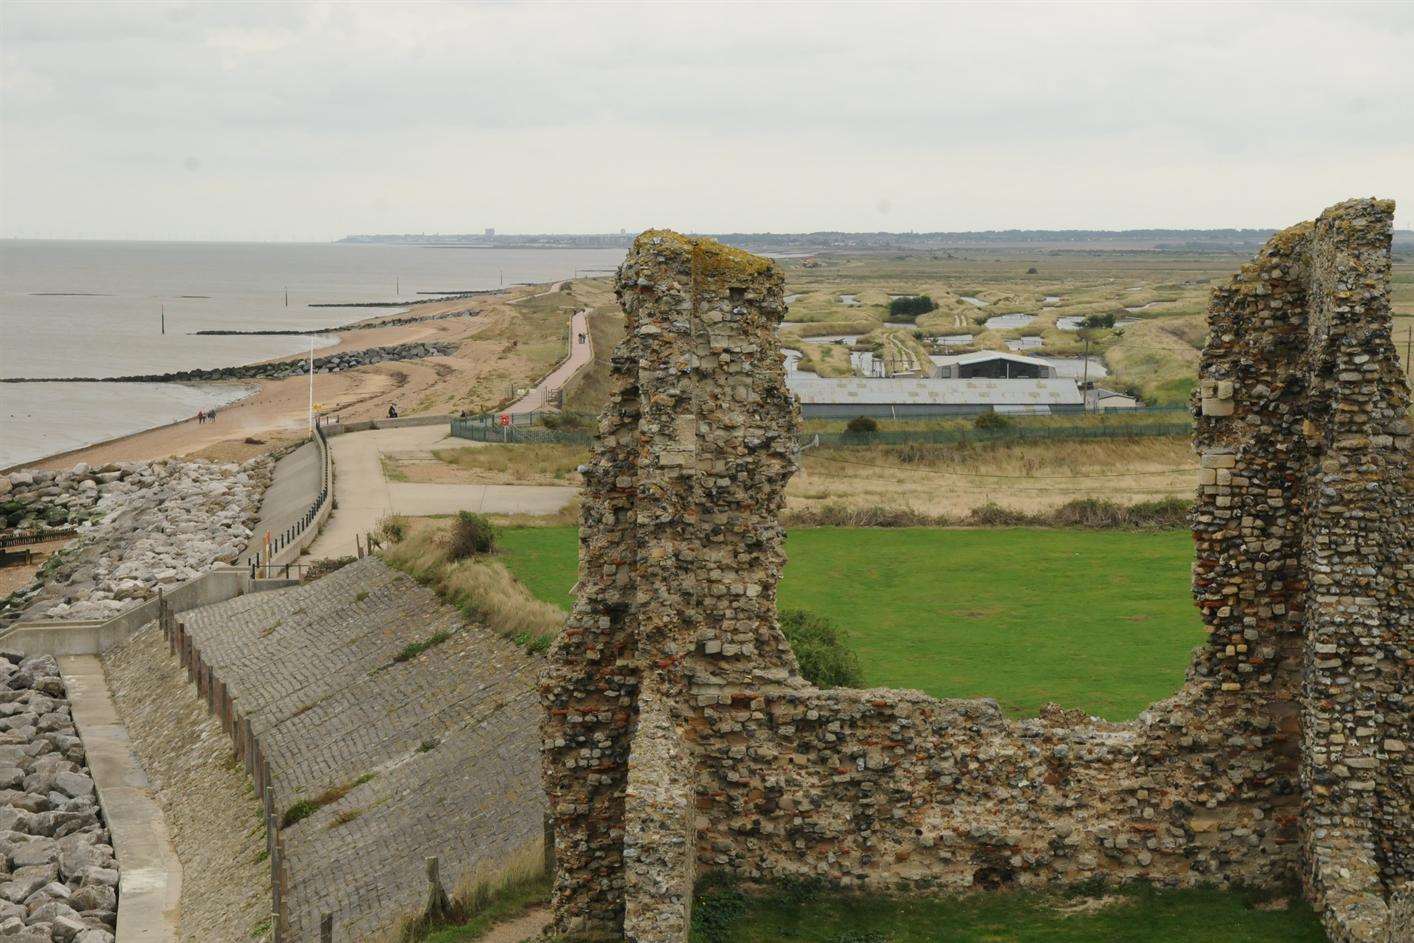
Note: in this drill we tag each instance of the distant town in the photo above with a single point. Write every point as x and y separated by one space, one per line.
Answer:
1148 240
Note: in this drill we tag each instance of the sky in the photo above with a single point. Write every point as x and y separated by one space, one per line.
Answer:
309 121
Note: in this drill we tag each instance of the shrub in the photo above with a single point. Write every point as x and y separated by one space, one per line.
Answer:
822 650
324 567
472 534
910 307
992 421
862 425
1098 321
393 528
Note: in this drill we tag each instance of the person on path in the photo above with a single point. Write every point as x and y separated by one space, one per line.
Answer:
392 410
211 415
200 416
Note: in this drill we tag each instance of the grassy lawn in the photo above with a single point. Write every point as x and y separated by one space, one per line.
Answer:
1100 620
1132 915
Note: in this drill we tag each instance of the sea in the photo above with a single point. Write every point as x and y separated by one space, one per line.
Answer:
95 309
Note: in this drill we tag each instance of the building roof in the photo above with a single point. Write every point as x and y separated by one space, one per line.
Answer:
933 392
982 356
1103 393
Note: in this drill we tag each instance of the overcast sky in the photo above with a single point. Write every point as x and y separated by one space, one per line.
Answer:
312 120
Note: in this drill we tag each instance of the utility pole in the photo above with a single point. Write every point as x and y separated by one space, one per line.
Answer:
164 319
287 296
398 287
311 387
1085 379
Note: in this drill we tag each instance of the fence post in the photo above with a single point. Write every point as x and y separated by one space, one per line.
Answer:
437 904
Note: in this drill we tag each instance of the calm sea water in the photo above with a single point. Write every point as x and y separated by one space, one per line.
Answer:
94 309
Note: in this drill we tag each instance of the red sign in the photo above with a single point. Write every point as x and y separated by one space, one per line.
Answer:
505 419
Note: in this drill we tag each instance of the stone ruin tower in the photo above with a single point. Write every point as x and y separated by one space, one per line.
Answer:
679 736
1305 544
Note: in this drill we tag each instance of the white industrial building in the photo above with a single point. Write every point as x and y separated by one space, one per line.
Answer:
990 365
846 397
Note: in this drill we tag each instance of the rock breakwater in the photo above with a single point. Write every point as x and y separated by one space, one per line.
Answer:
277 370
362 326
60 880
142 526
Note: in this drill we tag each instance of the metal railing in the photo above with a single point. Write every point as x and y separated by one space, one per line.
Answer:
261 562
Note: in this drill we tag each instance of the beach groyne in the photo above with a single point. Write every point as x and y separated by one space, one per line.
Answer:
275 370
360 326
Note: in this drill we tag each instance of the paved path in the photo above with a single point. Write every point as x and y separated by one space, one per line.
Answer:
291 492
581 353
364 497
150 874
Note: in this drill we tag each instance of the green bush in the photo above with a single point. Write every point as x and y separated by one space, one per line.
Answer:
471 534
991 421
822 650
393 529
910 307
862 425
1098 321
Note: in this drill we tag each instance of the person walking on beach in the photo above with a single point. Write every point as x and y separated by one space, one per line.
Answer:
211 415
200 416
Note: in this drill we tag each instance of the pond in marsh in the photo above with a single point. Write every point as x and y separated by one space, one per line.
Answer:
954 340
1002 322
851 301
975 302
1024 343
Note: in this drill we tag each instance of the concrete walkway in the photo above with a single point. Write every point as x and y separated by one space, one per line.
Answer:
150 874
581 353
292 490
363 496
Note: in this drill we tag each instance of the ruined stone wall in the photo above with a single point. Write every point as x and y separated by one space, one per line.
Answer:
1302 575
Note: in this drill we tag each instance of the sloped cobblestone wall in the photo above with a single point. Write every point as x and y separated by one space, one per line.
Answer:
1282 754
435 755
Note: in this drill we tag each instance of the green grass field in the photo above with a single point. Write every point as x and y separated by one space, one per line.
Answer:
1100 620
1131 915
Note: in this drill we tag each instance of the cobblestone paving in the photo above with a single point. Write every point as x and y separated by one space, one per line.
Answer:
449 738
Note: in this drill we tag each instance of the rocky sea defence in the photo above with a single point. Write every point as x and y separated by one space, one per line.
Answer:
141 526
58 874
278 370
361 326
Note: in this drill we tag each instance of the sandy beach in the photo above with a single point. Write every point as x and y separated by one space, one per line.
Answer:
486 364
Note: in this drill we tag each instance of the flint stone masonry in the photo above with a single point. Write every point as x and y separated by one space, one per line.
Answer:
58 873
142 526
447 737
278 370
1281 756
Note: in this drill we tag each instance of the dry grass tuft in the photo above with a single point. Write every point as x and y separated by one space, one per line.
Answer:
481 587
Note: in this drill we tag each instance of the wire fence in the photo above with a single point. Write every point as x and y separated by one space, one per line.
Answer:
527 428
578 429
